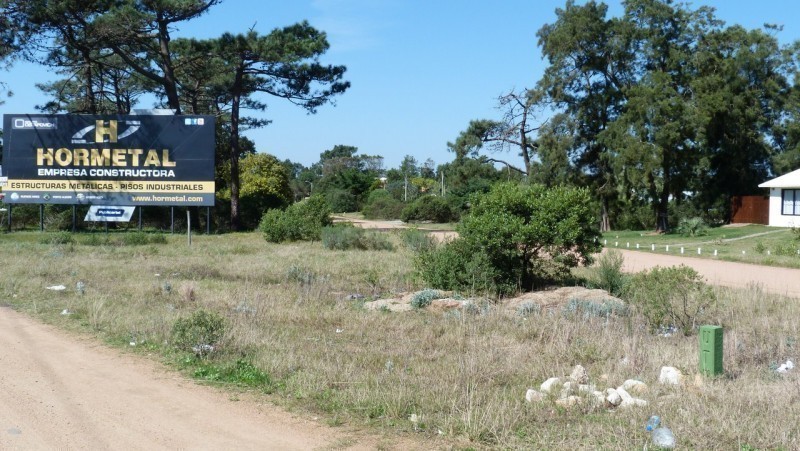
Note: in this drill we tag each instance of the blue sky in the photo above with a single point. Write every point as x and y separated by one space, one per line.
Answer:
420 70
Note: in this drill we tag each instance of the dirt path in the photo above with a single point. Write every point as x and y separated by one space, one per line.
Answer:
60 391
784 281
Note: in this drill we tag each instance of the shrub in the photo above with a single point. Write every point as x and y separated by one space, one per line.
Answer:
381 205
692 227
673 296
515 237
341 201
528 308
417 240
429 208
458 266
609 272
344 237
301 221
587 309
60 238
423 298
198 331
303 276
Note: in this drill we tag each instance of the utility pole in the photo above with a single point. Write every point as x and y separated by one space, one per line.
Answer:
442 183
405 188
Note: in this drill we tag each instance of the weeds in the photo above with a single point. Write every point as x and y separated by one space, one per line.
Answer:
464 375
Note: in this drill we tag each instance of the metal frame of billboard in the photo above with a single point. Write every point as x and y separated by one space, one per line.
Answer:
150 159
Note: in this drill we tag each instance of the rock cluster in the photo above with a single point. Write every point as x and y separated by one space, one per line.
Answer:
576 389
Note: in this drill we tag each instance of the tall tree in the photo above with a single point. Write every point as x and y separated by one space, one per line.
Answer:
589 57
284 64
513 132
669 103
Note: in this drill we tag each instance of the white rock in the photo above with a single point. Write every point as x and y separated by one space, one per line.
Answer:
638 402
628 400
57 288
569 401
586 388
670 376
579 375
789 365
613 398
634 386
548 385
533 395
624 395
598 397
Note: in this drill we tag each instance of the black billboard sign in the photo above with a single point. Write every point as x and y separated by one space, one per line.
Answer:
109 160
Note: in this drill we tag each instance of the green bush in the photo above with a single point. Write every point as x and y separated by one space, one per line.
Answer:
459 266
381 205
301 221
343 237
588 309
423 298
198 331
59 238
429 208
673 296
96 239
609 272
515 237
692 227
416 240
341 201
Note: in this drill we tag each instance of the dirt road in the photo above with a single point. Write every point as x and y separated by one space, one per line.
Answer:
784 281
60 391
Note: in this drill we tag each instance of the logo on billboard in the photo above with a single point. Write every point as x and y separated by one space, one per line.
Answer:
106 131
33 122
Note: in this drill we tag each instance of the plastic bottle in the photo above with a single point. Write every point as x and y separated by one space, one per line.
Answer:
662 437
653 423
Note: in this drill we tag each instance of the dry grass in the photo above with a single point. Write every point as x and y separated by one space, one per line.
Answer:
464 376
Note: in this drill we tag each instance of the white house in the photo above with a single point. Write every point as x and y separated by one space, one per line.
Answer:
784 200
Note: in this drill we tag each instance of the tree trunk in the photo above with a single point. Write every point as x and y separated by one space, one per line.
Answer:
605 222
87 73
170 85
235 151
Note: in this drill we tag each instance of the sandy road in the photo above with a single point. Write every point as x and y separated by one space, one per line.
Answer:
60 391
784 281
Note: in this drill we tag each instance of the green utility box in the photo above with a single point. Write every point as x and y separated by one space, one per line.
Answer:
710 350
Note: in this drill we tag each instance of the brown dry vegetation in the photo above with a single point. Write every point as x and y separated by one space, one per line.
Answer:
289 312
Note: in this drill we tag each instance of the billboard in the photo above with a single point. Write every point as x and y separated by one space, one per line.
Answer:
109 160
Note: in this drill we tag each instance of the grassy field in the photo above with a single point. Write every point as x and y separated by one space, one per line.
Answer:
295 329
755 244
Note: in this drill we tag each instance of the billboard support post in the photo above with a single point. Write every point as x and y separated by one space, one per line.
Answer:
189 226
41 217
172 220
208 220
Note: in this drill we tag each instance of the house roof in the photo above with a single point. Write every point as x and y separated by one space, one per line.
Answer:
790 180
